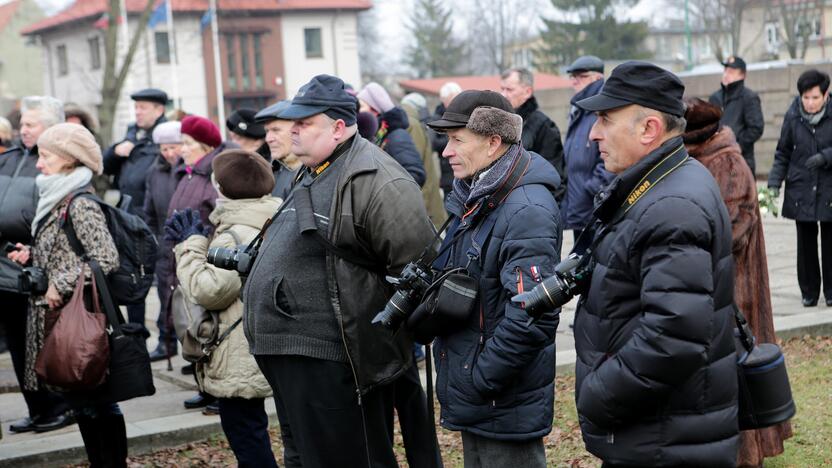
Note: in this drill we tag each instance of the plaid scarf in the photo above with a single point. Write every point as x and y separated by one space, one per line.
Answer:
486 181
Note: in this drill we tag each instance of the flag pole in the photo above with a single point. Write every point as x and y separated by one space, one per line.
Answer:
217 65
174 62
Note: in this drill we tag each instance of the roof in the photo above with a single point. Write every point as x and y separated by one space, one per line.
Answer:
87 9
7 11
432 85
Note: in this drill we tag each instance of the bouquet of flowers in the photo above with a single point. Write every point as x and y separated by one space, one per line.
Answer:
768 201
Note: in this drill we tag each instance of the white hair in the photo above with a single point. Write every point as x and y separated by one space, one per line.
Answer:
51 110
449 89
5 130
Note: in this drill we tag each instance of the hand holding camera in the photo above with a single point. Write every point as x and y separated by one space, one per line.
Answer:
570 279
17 253
184 224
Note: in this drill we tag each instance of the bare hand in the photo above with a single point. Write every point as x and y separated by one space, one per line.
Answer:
124 148
21 255
53 297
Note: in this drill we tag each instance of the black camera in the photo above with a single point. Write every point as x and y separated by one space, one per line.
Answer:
33 281
411 286
570 279
232 259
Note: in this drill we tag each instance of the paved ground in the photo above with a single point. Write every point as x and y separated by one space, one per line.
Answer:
161 420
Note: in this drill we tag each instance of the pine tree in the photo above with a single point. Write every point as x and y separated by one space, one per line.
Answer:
435 51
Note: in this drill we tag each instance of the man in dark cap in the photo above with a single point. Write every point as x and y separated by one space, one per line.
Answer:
353 216
130 161
279 141
584 166
495 372
656 377
741 110
244 130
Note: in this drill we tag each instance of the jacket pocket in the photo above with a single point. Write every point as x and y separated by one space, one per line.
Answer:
282 300
441 361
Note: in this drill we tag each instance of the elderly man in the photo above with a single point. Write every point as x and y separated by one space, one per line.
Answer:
353 216
584 166
540 134
279 140
18 200
741 110
496 371
656 376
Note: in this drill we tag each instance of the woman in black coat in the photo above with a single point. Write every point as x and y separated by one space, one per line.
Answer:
804 160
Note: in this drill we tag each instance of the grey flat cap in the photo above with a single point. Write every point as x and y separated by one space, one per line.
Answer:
586 63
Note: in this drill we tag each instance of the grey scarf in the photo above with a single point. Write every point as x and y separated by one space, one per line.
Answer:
812 119
487 181
54 188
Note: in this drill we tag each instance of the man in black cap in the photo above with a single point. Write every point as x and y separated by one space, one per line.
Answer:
353 216
131 159
244 130
656 377
740 106
279 141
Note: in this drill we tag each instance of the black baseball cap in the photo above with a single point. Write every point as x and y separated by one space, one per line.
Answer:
324 94
459 110
641 83
734 62
242 122
151 95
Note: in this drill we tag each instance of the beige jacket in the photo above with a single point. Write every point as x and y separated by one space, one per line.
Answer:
231 370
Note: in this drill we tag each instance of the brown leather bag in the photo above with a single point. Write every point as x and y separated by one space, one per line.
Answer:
76 353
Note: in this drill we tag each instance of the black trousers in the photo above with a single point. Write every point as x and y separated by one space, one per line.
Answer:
40 403
135 313
420 445
246 425
808 267
328 426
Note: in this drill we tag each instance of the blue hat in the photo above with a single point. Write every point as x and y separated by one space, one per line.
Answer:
586 63
270 113
323 94
639 83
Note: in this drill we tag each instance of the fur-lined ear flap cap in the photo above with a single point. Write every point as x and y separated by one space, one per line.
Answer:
487 120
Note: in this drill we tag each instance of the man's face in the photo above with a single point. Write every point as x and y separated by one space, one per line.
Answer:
246 143
730 75
616 132
279 138
581 79
147 113
31 127
314 139
466 152
516 92
813 100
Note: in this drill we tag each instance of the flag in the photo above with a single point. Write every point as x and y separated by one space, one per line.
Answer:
159 15
103 22
205 21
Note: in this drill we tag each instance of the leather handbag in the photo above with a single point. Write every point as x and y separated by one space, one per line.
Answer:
75 355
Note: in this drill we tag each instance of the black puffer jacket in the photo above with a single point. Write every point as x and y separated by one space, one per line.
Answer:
398 143
808 195
656 378
542 136
742 112
131 172
18 201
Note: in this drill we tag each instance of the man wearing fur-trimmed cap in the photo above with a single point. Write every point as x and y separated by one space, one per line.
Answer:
496 372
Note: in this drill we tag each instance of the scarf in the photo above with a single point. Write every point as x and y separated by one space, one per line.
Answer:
812 119
54 188
488 180
221 199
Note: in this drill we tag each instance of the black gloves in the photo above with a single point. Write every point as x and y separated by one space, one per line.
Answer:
184 224
815 162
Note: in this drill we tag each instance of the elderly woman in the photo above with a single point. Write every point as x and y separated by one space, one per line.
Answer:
716 148
495 373
804 160
68 157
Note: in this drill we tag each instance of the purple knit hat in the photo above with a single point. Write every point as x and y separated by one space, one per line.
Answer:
376 96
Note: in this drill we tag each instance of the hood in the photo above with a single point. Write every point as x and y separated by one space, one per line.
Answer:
718 144
396 118
252 212
590 90
526 109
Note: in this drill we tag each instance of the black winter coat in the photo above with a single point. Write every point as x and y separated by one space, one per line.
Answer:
439 141
656 373
808 194
495 378
159 187
741 111
398 143
283 178
542 136
131 172
18 201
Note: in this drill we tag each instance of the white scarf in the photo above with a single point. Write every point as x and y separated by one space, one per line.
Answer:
221 199
54 188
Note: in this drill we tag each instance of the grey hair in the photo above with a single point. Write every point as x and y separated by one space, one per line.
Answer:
449 89
525 76
5 130
672 123
51 109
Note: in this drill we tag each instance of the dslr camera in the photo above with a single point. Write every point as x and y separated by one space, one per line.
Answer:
571 278
239 260
411 286
32 281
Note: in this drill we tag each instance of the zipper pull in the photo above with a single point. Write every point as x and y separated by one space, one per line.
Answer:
358 392
482 339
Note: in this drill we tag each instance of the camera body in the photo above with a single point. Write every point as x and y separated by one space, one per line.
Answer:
32 281
571 278
411 286
232 259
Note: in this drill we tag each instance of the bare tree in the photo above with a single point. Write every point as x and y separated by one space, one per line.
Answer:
722 20
495 26
114 77
797 24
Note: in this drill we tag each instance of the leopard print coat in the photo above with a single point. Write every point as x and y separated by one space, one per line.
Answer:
51 252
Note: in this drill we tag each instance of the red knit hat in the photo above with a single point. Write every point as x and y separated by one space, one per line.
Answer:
201 130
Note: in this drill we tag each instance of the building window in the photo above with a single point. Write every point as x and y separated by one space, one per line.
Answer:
95 52
258 61
232 63
772 37
244 62
314 45
162 47
63 66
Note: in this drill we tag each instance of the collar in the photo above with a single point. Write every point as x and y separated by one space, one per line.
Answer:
734 87
589 90
339 151
528 107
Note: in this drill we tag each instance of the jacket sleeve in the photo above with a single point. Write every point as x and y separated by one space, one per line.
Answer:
753 117
209 286
670 341
400 145
548 142
149 213
782 155
531 240
112 161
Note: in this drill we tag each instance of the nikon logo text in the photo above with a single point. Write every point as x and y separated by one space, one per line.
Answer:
638 192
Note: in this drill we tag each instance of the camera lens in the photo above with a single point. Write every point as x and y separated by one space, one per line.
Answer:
550 294
398 308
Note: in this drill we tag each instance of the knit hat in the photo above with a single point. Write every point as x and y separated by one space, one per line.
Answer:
169 133
242 174
377 97
73 142
201 130
416 100
243 123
